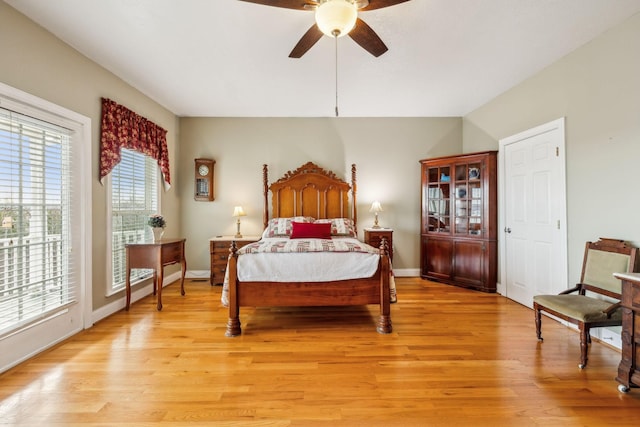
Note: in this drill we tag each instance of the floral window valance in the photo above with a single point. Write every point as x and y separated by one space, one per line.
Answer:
122 128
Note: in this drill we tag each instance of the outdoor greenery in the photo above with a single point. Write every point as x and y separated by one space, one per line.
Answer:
20 221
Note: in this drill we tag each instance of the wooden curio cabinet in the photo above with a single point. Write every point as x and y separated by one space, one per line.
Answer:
458 242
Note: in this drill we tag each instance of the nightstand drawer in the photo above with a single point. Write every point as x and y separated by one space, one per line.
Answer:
220 255
220 261
221 245
218 272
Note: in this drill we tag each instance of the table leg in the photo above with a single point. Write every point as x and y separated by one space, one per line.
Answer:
155 281
159 286
128 288
184 269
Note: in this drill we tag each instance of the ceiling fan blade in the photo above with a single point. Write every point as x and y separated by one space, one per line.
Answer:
288 4
364 35
307 41
379 4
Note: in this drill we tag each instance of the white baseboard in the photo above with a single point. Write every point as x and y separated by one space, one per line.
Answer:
197 274
119 304
406 272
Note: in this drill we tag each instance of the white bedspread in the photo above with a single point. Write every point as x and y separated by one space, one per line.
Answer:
269 265
306 266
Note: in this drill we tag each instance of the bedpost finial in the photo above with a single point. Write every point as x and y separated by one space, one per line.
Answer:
353 197
265 194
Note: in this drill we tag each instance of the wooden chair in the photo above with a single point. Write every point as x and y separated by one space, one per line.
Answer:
592 310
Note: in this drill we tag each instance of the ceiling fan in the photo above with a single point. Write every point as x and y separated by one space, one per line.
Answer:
336 18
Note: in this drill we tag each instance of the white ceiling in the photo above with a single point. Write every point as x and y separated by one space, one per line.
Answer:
227 58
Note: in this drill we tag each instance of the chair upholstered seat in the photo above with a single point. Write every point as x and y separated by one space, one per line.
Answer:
578 307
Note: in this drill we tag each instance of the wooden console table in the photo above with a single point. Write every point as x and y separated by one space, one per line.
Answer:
155 256
629 368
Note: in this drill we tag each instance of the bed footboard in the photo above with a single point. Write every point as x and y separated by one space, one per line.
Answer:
374 290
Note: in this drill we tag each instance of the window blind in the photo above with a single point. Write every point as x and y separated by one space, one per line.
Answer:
134 197
36 273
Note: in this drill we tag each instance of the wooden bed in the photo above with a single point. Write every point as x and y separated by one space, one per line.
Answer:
310 191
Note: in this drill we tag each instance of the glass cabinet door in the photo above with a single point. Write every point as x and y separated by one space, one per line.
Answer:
437 197
468 201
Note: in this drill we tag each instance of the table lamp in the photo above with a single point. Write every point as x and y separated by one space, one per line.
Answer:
375 208
238 212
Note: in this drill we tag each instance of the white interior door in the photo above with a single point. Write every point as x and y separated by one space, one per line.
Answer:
533 213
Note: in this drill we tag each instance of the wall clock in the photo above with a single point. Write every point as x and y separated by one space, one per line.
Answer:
204 180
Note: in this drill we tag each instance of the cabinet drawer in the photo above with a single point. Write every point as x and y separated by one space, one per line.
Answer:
220 255
221 245
219 262
219 270
172 253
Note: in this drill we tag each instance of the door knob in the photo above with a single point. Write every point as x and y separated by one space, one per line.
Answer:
507 230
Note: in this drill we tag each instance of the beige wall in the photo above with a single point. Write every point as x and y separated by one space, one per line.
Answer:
37 63
385 150
597 89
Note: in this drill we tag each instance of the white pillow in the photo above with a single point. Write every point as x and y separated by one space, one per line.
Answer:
340 226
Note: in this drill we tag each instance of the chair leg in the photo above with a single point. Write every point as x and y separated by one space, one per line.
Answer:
536 310
584 346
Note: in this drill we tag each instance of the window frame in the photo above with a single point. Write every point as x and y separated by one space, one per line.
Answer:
35 337
110 288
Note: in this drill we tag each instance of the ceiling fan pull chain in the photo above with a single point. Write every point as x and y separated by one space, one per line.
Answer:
336 40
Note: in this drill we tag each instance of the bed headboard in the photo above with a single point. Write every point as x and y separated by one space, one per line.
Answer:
310 191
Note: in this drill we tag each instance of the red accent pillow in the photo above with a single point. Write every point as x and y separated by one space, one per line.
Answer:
308 230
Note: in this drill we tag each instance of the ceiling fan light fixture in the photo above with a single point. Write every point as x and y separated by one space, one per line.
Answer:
336 18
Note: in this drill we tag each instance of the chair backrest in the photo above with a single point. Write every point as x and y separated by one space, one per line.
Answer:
601 260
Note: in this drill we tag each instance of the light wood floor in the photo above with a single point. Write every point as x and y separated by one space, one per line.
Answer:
455 358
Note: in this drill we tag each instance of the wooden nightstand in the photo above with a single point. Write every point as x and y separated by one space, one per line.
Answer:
372 236
219 249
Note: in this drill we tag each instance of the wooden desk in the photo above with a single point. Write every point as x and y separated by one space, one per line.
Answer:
156 256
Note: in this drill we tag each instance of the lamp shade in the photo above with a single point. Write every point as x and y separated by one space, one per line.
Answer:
376 207
336 18
238 211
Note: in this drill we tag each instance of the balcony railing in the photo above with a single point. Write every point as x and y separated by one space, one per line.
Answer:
31 278
32 271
